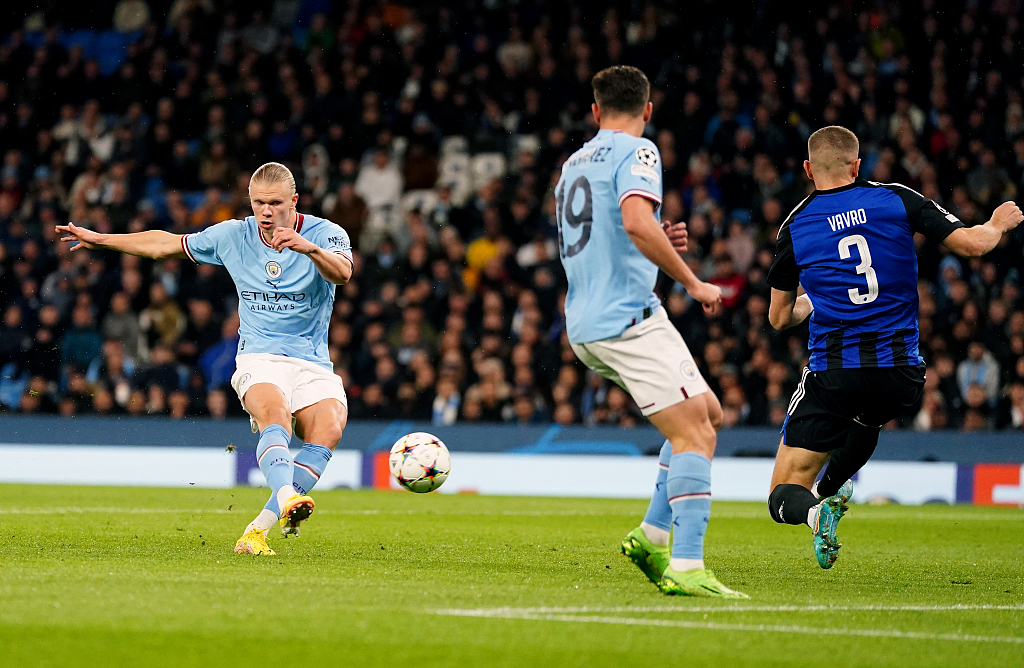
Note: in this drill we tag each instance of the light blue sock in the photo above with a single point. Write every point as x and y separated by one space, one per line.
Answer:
275 460
309 465
659 513
689 494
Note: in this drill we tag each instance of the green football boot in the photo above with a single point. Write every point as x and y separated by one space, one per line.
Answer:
697 582
650 558
826 520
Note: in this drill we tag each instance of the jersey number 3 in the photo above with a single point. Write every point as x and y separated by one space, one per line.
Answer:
585 217
863 268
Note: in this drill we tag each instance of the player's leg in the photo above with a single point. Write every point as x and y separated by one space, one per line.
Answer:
657 524
653 363
814 427
647 546
691 438
320 426
268 406
843 463
791 500
882 394
320 416
688 428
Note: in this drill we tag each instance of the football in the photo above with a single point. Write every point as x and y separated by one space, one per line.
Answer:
420 462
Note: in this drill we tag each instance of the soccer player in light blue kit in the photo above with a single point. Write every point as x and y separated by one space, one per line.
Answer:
611 245
285 266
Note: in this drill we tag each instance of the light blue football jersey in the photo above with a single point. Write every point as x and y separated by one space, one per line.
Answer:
284 304
611 283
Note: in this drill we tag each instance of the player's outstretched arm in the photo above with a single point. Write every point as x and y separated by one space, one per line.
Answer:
787 310
334 267
650 239
980 239
155 244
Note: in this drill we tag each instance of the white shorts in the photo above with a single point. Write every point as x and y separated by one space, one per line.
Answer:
303 383
649 360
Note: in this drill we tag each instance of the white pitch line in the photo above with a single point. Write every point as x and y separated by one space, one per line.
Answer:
497 612
764 628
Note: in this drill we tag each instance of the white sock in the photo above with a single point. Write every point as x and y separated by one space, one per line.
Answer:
680 565
656 535
810 515
263 521
814 490
284 494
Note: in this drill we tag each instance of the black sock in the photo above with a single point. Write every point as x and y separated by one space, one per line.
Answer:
789 504
847 460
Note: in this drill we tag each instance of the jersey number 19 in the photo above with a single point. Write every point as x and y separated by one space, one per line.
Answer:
584 218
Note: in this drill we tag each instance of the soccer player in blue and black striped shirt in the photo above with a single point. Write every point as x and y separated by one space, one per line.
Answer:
850 245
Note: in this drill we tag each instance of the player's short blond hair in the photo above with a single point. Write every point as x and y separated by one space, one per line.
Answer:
274 172
832 149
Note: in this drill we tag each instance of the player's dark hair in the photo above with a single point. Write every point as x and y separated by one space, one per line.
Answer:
621 89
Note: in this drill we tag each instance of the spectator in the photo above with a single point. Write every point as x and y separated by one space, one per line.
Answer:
217 404
380 186
980 369
218 361
82 343
121 324
162 321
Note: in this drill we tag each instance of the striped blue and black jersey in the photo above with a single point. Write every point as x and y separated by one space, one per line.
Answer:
852 250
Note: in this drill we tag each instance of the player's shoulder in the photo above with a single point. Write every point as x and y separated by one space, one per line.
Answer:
905 193
325 233
231 226
797 210
315 225
642 149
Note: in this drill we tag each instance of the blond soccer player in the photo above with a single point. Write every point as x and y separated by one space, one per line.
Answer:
285 266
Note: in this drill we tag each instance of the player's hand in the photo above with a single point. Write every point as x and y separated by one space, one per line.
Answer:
677 234
710 297
85 238
1007 216
286 238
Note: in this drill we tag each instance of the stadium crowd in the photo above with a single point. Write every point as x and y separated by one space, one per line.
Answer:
433 136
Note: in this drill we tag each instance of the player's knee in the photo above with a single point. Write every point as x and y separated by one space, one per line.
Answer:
326 432
332 435
699 437
714 410
715 415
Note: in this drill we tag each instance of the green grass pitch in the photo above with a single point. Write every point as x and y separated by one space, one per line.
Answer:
146 577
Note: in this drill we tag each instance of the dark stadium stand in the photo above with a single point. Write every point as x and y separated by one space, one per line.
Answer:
433 135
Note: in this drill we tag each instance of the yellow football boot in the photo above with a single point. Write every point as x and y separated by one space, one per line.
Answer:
296 509
254 542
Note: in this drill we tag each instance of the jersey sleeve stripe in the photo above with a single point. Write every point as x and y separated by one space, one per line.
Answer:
792 214
896 185
347 256
184 247
643 193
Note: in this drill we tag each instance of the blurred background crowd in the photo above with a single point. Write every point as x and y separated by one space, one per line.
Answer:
433 134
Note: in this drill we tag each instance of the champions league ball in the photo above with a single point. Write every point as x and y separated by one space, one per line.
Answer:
420 462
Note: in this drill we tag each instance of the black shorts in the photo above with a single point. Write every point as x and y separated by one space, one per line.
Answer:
827 403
